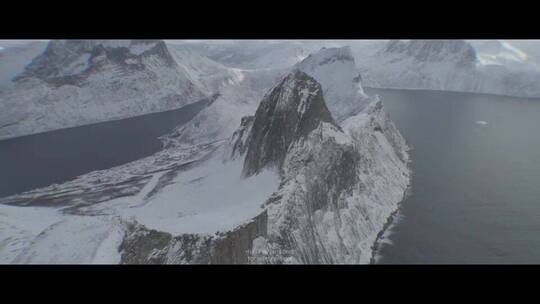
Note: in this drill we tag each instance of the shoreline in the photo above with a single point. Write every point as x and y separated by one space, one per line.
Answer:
391 221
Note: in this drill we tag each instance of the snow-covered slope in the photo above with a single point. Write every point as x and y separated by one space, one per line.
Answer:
78 82
335 69
219 120
207 74
290 185
258 64
14 58
258 54
451 65
97 217
339 183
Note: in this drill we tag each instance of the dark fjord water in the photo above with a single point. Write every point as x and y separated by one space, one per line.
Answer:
39 160
476 187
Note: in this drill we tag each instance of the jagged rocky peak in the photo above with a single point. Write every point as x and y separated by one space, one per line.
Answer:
336 71
289 112
64 58
458 51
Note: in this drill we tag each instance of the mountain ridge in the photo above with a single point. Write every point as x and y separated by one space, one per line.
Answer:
289 112
446 65
75 83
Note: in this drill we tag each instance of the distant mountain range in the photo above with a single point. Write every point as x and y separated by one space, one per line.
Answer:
448 65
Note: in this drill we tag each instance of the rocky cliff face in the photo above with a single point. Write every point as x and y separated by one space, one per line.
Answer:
289 112
146 246
238 143
339 184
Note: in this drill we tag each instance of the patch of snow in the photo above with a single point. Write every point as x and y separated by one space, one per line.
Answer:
302 105
78 65
139 48
520 55
107 252
19 226
219 120
75 239
208 198
13 59
45 235
336 71
488 59
329 131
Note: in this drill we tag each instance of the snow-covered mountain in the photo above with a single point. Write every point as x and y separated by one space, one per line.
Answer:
220 119
451 65
291 185
509 54
339 183
207 74
333 68
77 82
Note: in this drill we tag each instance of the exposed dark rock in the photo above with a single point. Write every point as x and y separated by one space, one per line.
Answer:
59 54
143 246
289 112
240 137
234 247
147 246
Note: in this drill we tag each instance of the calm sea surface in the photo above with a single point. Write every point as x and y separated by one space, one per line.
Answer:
39 160
476 182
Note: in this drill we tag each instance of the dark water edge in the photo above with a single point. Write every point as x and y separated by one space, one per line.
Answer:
475 197
390 223
39 160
